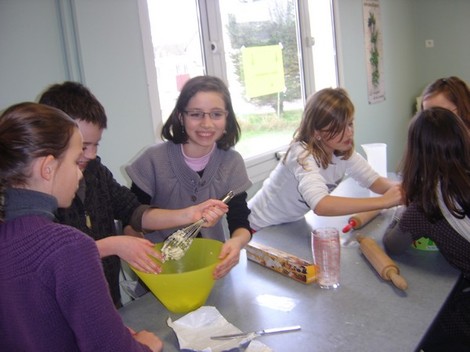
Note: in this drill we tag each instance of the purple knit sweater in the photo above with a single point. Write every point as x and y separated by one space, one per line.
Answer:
53 294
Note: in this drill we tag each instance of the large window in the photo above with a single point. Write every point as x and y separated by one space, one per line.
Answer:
271 53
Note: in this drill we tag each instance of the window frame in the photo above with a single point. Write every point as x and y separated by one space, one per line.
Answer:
259 166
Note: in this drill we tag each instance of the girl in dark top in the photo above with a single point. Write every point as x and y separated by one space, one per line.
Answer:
436 183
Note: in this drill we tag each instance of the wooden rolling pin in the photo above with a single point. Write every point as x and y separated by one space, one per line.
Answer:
381 262
358 220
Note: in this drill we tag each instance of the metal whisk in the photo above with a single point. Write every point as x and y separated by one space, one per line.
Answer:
176 245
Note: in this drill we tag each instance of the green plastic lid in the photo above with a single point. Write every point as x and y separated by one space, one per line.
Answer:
425 244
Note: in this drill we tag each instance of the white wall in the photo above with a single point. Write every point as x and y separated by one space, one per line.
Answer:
31 55
108 59
447 24
386 121
114 69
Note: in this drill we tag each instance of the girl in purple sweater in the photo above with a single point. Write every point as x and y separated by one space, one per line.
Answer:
54 296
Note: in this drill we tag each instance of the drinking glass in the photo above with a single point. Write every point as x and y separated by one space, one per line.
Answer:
326 255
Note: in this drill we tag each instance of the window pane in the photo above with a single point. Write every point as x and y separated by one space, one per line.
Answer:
177 48
261 53
324 48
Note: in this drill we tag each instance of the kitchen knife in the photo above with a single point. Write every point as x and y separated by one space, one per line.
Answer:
257 333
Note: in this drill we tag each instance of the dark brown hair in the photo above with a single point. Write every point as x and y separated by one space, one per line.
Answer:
173 129
28 131
77 101
455 90
438 152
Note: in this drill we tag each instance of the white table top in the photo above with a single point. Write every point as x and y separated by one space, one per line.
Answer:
365 313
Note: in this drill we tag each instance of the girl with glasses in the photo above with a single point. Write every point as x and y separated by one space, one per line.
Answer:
196 162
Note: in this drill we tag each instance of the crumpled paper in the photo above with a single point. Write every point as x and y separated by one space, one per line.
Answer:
195 329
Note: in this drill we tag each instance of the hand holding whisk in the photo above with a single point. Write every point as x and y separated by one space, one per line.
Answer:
176 245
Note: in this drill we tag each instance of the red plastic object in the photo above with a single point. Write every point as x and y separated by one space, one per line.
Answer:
351 224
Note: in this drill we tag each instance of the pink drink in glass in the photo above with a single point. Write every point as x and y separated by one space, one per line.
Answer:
326 255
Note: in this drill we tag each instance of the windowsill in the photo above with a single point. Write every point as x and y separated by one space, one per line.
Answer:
259 167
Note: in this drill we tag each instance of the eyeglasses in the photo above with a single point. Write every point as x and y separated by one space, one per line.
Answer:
198 115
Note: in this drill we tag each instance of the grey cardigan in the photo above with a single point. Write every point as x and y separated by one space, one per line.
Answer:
161 172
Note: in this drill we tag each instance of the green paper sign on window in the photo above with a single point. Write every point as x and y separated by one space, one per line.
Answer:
263 70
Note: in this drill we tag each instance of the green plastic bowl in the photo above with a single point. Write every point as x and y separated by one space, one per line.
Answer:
184 285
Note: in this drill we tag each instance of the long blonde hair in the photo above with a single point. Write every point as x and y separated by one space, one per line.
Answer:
329 111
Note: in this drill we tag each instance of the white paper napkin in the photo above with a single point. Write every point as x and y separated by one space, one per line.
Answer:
195 329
